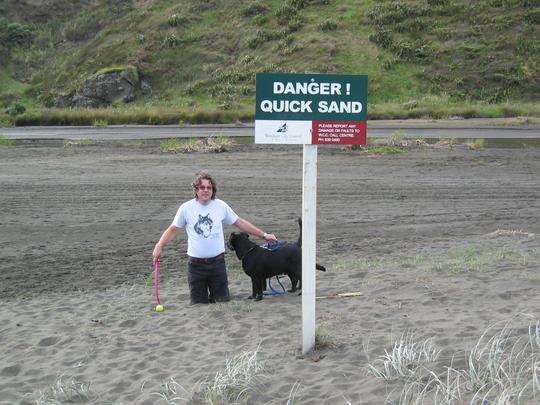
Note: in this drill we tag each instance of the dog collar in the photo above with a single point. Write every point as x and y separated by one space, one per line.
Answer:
247 253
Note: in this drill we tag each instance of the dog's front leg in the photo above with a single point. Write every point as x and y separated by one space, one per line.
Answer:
256 289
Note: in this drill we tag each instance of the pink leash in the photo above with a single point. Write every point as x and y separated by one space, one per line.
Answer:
156 279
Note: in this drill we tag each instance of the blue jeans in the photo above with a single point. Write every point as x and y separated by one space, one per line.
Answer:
208 283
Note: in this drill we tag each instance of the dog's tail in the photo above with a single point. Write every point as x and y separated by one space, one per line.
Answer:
299 242
319 267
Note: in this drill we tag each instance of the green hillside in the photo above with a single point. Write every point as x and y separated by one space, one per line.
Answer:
423 57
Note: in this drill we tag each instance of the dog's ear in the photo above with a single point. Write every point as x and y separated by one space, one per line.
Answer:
230 241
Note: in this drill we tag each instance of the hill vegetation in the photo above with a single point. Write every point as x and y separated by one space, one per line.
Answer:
199 58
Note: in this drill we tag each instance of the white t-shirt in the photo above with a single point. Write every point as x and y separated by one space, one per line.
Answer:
204 226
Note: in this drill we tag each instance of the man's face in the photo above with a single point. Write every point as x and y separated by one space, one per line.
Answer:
204 191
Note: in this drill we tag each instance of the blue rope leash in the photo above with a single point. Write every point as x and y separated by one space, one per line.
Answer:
276 292
273 246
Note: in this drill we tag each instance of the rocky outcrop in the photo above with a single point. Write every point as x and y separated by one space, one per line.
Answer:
116 84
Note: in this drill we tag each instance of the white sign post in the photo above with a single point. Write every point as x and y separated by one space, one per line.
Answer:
310 109
309 236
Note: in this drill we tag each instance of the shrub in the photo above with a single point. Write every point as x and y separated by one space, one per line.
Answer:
297 4
285 13
14 35
171 41
394 12
16 109
84 26
262 37
437 2
327 25
254 9
533 16
292 25
260 19
383 38
8 98
175 20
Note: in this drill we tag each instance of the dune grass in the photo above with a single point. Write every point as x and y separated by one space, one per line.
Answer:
292 393
324 339
456 260
386 150
63 391
70 143
231 385
241 375
475 144
172 394
215 144
405 358
475 258
503 367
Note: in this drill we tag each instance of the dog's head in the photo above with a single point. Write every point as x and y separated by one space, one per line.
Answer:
234 239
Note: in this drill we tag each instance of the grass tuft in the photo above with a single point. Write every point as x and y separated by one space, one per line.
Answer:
171 393
386 150
323 339
206 145
512 232
503 367
70 143
100 123
292 393
476 144
5 141
241 374
63 391
404 359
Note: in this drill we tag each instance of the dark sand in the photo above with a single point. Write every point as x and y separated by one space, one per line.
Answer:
415 233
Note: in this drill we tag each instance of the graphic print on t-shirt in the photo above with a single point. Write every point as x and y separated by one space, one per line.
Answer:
203 227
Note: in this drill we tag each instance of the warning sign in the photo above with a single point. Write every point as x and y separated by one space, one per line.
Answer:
311 108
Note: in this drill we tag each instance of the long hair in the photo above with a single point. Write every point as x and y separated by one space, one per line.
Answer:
203 175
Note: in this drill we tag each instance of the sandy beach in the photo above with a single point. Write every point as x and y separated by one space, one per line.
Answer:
440 243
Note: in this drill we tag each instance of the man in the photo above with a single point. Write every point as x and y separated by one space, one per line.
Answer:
202 218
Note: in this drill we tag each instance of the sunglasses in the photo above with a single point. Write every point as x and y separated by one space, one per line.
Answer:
204 187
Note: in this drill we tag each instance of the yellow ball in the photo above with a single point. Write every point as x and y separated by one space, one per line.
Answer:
159 308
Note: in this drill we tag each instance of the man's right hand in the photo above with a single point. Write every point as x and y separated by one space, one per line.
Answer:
157 252
166 237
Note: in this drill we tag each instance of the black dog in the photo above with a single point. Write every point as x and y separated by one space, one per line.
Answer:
260 263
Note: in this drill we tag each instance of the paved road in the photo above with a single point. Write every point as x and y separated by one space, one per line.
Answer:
474 128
